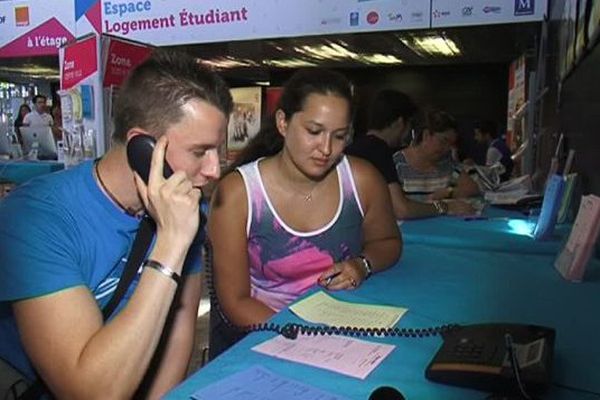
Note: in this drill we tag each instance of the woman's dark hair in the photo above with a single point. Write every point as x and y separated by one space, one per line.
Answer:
433 121
19 119
296 90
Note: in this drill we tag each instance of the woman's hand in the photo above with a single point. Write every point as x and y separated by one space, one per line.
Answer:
347 275
173 203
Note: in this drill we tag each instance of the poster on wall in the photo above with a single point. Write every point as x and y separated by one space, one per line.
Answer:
594 23
571 27
446 13
581 37
244 122
516 103
173 22
35 28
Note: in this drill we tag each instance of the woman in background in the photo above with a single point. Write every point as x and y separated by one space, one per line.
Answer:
426 169
24 109
296 212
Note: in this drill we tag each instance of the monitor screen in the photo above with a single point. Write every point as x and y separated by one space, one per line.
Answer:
42 135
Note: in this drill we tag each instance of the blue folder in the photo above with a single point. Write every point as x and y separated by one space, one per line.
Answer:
550 206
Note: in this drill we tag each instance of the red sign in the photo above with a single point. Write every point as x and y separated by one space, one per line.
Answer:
121 58
80 61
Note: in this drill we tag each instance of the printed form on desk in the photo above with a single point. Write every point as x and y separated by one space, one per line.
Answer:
320 308
258 383
341 354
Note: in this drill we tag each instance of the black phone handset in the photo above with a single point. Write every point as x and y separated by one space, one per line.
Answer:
139 157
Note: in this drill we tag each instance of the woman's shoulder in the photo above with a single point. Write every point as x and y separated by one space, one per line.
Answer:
230 187
363 171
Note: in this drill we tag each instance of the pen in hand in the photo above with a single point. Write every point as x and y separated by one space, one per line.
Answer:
331 277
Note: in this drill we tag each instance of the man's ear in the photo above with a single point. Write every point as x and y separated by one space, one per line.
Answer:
134 132
281 122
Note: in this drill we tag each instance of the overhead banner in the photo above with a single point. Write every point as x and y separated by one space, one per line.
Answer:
172 22
35 28
447 13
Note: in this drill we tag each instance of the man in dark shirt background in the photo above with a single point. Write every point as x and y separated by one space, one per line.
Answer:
389 122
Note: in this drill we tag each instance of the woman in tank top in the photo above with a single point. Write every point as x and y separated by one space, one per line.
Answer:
296 212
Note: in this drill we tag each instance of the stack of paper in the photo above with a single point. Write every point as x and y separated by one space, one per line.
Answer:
574 257
320 308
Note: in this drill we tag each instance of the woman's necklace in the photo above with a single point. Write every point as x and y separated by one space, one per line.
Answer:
126 210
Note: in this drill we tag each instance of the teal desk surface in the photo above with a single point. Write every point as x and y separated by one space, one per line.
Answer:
443 285
496 230
21 171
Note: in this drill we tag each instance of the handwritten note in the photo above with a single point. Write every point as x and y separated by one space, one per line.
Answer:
348 356
258 383
323 309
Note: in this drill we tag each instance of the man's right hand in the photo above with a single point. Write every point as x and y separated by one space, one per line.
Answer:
173 203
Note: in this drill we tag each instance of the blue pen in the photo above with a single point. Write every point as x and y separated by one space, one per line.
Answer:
331 277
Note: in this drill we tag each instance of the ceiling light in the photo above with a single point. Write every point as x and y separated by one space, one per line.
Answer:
330 51
379 59
432 45
228 62
32 71
289 63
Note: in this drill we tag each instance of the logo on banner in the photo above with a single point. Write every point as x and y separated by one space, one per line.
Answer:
416 16
467 11
440 14
395 17
492 10
22 15
524 7
372 17
331 21
354 18
2 19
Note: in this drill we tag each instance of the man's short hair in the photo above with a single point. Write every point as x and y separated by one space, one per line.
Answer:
487 126
153 95
39 96
388 106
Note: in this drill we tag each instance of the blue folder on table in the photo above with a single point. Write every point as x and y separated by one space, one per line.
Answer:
550 206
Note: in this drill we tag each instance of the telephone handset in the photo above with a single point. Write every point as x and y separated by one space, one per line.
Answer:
495 357
139 157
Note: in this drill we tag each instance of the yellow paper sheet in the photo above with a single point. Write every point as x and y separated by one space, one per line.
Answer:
324 309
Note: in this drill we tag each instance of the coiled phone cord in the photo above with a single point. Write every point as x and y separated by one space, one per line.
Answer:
291 330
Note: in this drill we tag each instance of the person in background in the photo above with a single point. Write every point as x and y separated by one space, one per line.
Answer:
486 133
57 121
390 117
24 109
66 237
39 116
296 212
426 170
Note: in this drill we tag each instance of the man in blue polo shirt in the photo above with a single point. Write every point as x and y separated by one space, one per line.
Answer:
65 238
